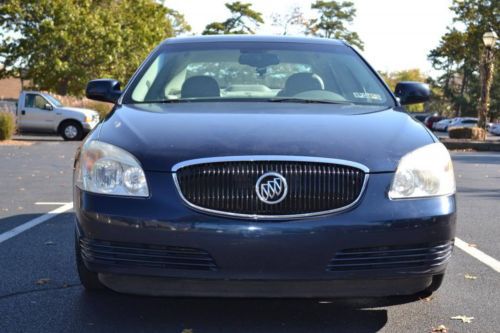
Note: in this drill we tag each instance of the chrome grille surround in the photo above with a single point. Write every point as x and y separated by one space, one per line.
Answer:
271 159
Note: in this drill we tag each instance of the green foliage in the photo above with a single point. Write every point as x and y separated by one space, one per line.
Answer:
178 22
243 20
392 78
7 125
334 16
59 45
459 52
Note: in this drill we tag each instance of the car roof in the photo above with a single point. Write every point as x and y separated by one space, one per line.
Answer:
253 38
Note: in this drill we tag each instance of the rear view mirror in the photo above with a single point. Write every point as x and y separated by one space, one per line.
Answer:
104 90
258 60
410 92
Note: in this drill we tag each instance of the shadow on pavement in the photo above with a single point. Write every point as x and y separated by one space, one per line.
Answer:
109 310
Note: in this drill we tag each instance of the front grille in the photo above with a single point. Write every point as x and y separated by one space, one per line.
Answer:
230 187
391 257
139 255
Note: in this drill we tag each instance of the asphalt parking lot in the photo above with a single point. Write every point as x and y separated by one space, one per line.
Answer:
40 291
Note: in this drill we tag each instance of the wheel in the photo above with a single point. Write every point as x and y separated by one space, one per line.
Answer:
89 279
71 131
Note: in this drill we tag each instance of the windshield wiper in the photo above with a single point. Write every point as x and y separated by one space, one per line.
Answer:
306 101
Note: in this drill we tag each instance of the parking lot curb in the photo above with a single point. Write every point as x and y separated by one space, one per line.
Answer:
457 144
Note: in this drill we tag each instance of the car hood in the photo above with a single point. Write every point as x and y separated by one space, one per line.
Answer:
85 112
161 135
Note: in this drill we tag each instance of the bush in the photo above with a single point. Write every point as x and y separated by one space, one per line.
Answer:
474 133
7 125
102 108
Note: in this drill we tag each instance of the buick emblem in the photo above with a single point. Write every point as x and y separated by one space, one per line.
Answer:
271 188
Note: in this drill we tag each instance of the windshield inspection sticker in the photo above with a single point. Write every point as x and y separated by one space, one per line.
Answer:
366 95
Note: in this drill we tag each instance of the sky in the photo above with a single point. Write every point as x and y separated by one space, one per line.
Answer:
398 34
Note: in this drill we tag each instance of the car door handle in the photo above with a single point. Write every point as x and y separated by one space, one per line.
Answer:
23 112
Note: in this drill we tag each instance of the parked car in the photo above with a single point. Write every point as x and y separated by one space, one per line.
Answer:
324 188
420 117
431 120
462 122
40 112
442 125
494 128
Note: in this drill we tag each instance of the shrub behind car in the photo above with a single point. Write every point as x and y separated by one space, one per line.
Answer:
7 125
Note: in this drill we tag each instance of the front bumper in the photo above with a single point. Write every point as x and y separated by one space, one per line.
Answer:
87 127
159 246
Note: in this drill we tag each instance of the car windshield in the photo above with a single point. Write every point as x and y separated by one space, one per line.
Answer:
272 72
53 100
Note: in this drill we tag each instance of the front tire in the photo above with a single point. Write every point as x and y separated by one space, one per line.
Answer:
71 131
89 279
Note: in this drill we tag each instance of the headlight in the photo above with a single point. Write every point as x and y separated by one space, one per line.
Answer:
107 169
425 172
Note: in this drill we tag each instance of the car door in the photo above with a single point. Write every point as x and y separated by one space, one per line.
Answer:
37 114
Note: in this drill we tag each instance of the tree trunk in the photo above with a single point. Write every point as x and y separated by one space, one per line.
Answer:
486 70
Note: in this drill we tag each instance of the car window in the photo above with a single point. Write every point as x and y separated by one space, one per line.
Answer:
53 100
260 71
35 101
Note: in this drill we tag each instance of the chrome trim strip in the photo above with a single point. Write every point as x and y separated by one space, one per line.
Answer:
285 158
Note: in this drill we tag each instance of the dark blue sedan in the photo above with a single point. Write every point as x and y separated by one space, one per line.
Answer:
250 166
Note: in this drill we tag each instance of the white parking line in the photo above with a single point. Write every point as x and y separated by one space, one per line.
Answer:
36 221
50 203
478 254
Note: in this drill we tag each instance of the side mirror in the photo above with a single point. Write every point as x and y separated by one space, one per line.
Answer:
412 92
48 107
104 90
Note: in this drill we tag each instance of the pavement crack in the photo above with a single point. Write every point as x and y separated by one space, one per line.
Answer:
35 291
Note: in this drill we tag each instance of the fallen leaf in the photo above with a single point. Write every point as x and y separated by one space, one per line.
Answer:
324 302
472 245
464 319
440 329
428 299
187 330
43 281
470 277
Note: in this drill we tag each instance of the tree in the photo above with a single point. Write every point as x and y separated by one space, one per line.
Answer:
332 22
243 20
178 21
294 17
392 78
458 56
59 45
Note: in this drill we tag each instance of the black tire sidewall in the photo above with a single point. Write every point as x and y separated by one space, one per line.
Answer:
79 135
